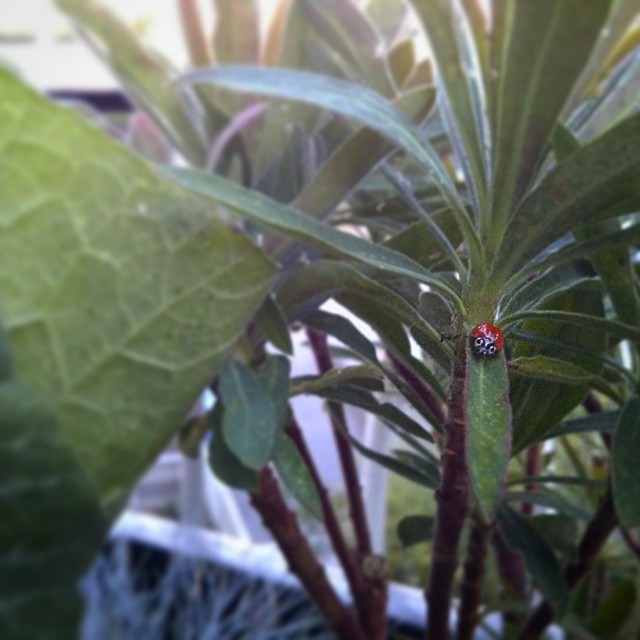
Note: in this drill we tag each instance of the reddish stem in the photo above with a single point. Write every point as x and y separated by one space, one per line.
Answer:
369 596
471 590
532 466
452 499
283 525
320 349
599 529
199 51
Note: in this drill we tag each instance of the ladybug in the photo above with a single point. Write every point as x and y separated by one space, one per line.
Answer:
487 340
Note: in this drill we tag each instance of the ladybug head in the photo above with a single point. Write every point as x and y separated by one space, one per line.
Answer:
483 347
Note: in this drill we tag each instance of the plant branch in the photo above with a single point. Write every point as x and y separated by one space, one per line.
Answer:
452 499
199 51
598 530
471 590
283 525
320 349
370 597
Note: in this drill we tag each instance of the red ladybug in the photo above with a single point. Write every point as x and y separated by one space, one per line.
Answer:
487 340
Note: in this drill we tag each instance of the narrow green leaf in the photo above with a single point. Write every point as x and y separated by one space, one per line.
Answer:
603 422
335 378
273 325
428 465
564 143
121 294
548 43
351 100
6 361
539 559
146 77
296 224
551 479
249 423
294 474
556 370
273 375
356 157
545 498
595 183
559 530
414 530
614 610
224 463
52 524
488 430
401 61
624 475
461 95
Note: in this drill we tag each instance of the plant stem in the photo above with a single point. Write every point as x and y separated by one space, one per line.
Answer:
320 349
471 590
369 597
598 530
199 51
532 465
283 525
452 498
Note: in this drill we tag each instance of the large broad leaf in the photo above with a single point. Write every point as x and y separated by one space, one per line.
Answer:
488 430
297 225
547 46
597 182
121 294
626 443
351 100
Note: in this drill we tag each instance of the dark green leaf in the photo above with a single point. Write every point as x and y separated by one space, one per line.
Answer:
250 420
539 559
335 379
294 474
559 530
296 224
565 144
6 362
224 463
596 183
121 294
274 378
488 429
605 421
546 50
351 100
428 465
614 610
550 500
626 444
271 322
52 525
415 530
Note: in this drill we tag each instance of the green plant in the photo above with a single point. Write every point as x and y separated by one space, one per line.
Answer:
514 199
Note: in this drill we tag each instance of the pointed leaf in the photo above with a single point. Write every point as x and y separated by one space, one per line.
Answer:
545 498
614 610
626 444
540 560
296 224
225 465
597 182
603 422
547 46
488 430
250 421
351 100
121 294
274 378
271 322
294 474
415 530
335 378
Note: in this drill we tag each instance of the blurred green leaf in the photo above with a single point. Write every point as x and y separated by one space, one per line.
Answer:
353 101
296 224
488 429
415 530
605 421
273 325
296 477
595 183
146 77
250 421
548 43
225 465
401 61
539 559
614 610
52 525
388 16
546 498
121 294
626 444
335 378
560 530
